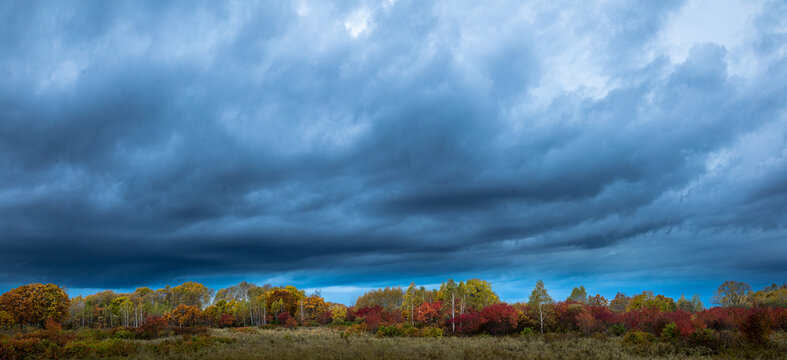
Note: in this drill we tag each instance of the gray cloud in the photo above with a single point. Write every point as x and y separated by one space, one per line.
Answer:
145 142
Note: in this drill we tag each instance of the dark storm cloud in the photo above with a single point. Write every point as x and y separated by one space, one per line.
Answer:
142 142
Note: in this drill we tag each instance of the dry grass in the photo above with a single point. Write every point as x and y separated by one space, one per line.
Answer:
323 343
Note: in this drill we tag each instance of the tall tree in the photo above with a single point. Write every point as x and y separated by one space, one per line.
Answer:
410 301
448 294
620 303
731 294
389 298
539 300
480 294
192 294
693 305
579 295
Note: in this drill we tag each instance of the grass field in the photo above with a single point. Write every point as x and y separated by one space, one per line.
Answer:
322 343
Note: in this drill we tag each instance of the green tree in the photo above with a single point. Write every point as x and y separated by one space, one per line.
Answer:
479 294
579 295
540 300
694 305
389 298
410 301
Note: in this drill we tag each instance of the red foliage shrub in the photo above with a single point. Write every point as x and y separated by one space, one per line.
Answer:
715 318
392 317
326 317
283 317
468 323
226 320
587 323
351 315
756 326
565 315
646 319
151 327
364 312
499 319
372 321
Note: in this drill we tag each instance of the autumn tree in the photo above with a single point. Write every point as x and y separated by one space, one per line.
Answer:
620 303
280 300
731 294
311 307
190 293
428 313
6 319
184 315
338 313
770 296
598 300
539 300
36 304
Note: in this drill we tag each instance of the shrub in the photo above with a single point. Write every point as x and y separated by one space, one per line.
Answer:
390 331
670 332
77 350
187 344
499 319
372 321
151 328
283 318
430 331
468 323
756 326
112 348
618 329
526 331
638 338
706 338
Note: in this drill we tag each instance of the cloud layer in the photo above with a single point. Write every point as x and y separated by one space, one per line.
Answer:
143 142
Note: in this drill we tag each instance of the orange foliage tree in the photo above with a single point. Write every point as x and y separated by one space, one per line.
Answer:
35 304
184 315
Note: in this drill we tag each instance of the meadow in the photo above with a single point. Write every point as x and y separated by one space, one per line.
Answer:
343 342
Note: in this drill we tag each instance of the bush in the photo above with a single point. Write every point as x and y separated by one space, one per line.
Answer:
756 326
151 328
468 323
187 344
430 331
122 334
526 331
638 338
670 332
618 329
706 338
499 319
390 331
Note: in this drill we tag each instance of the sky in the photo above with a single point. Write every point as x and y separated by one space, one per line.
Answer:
343 146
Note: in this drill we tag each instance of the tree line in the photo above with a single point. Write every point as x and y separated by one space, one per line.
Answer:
461 308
